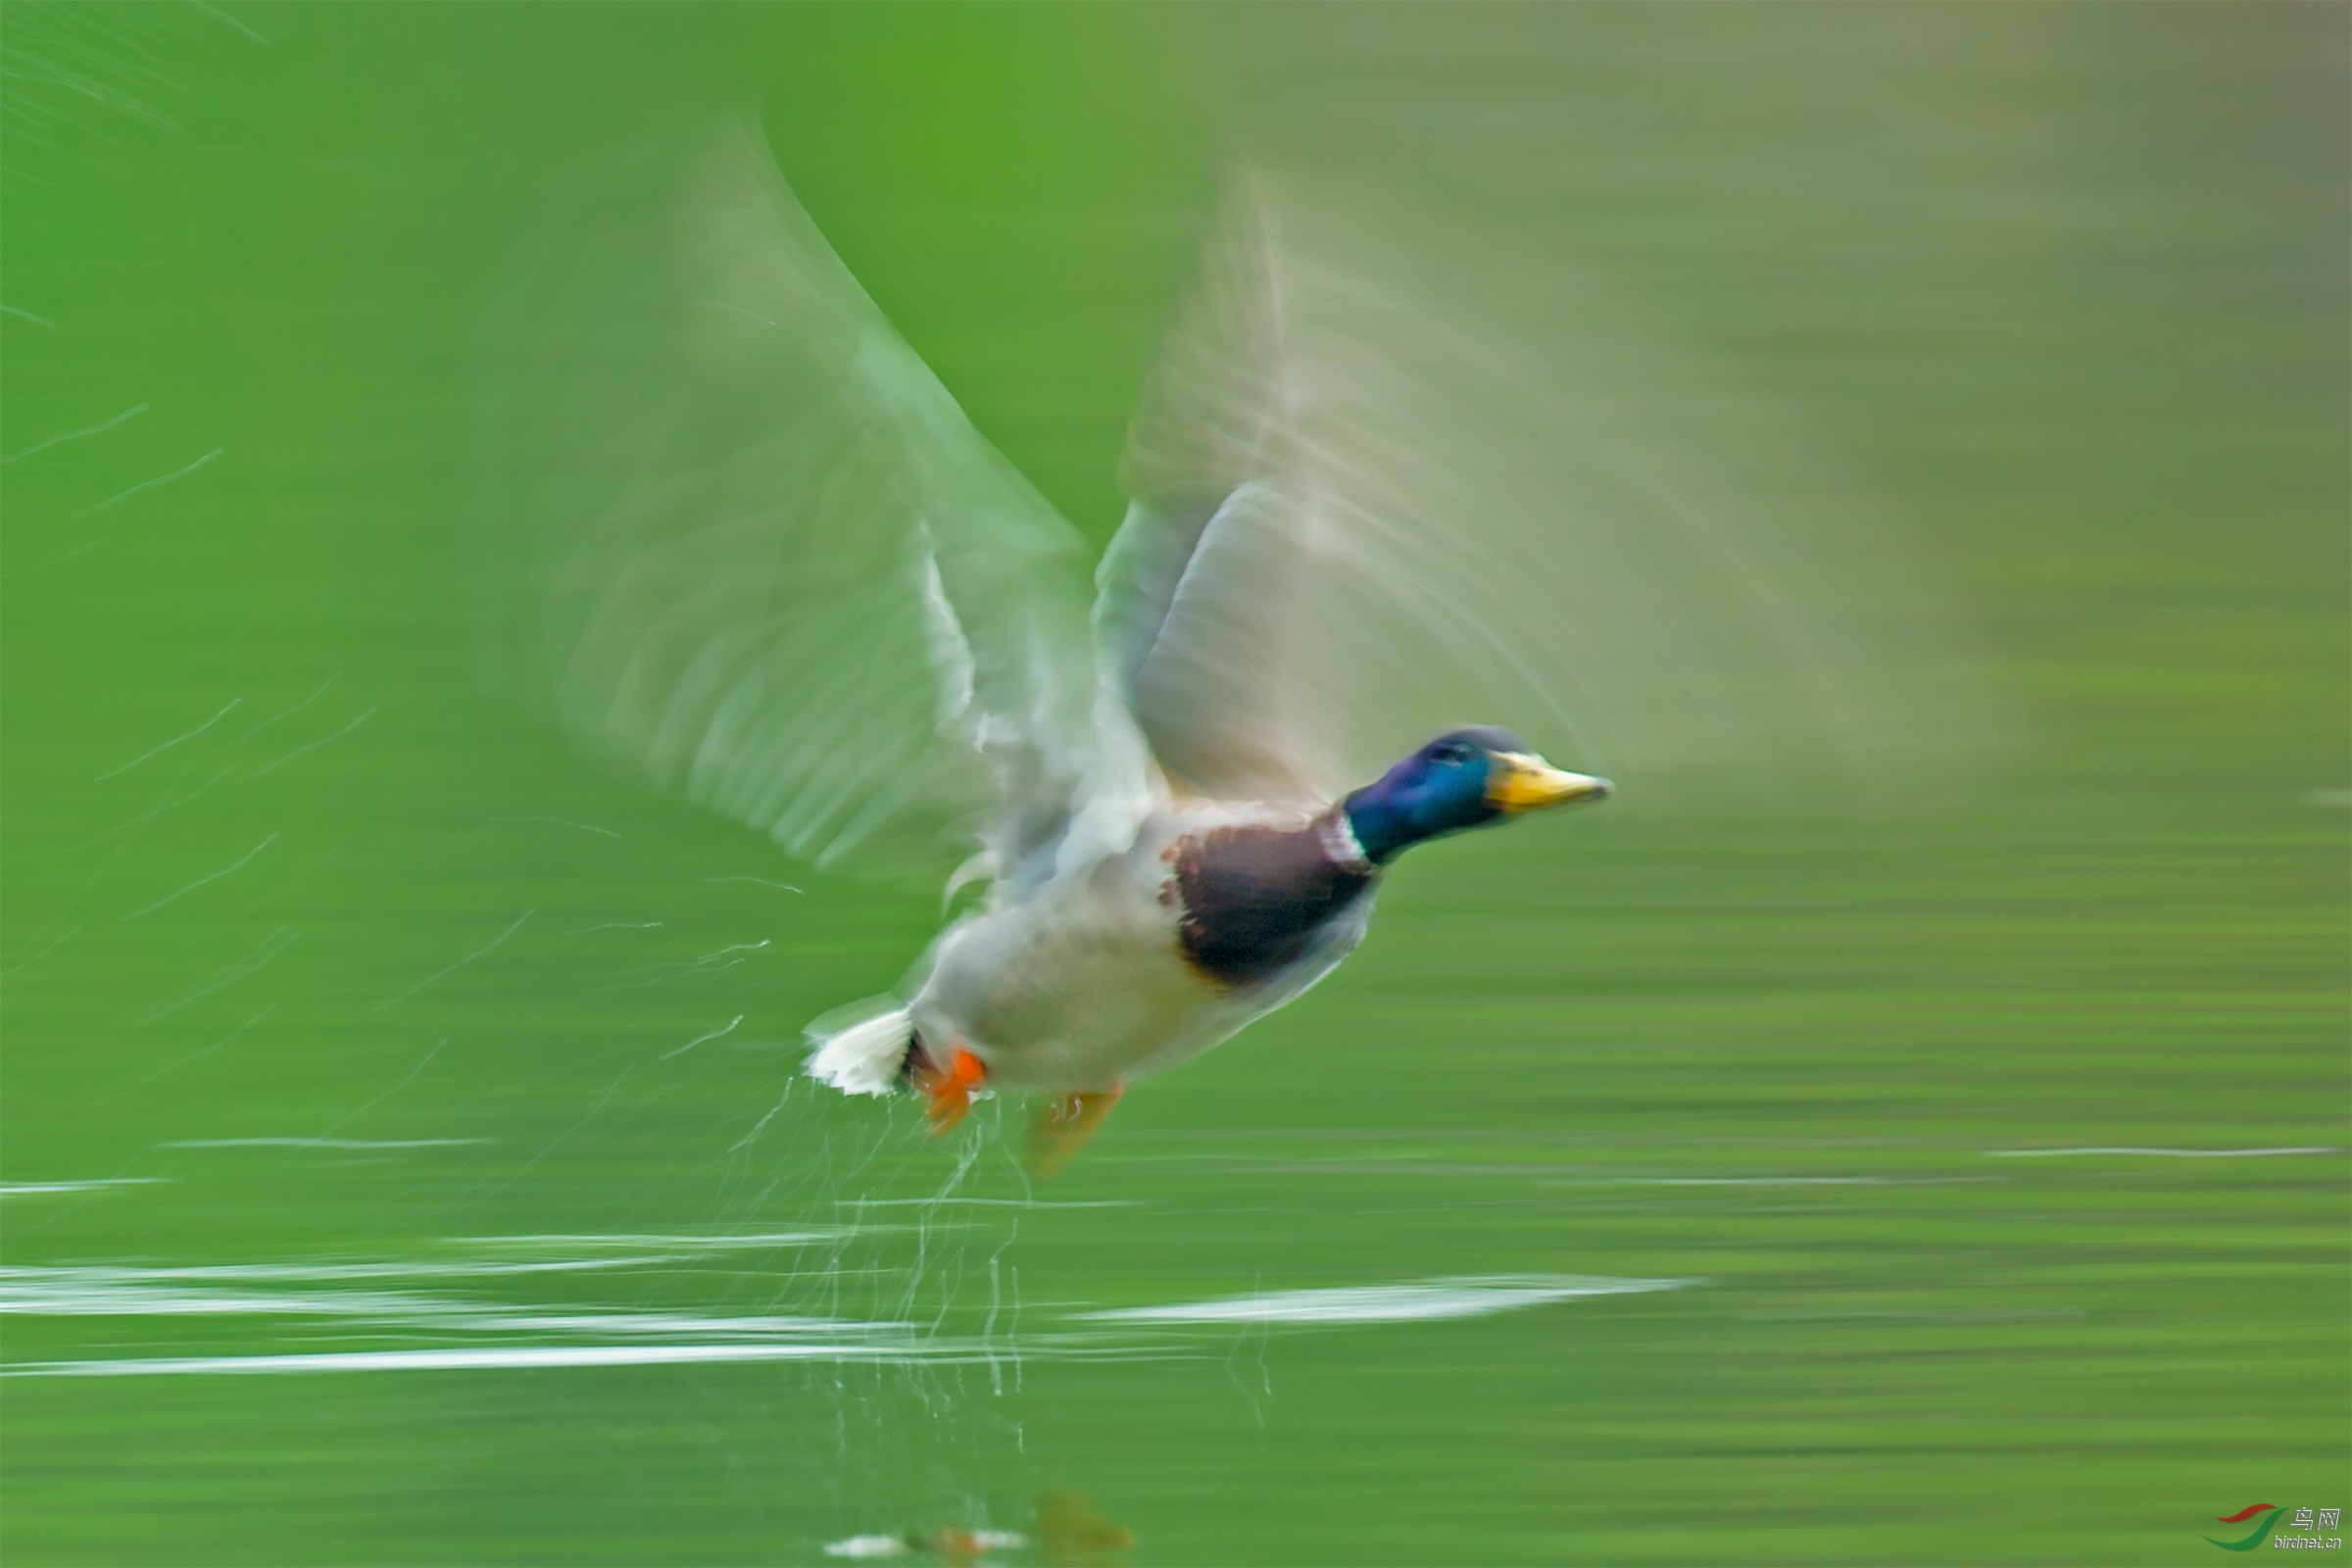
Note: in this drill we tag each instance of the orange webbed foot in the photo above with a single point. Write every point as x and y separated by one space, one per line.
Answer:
1064 1124
947 1091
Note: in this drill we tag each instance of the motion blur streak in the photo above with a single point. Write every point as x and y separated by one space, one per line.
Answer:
1500 489
1411 475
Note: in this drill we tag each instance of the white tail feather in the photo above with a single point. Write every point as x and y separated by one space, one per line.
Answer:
860 1051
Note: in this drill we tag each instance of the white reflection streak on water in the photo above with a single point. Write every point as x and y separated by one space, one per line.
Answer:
992 1202
805 1236
2163 1154
198 1291
73 1295
1468 1296
323 1143
52 1189
482 1360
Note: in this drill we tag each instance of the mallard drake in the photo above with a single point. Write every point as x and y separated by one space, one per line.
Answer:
778 570
1136 956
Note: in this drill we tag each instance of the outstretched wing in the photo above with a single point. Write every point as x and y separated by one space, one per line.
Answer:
771 564
1357 523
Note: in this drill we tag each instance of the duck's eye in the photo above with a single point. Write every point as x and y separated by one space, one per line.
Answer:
1451 753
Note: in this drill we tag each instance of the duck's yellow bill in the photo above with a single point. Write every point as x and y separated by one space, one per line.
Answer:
1521 781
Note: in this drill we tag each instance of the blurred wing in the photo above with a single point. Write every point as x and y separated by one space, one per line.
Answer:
1358 523
772 565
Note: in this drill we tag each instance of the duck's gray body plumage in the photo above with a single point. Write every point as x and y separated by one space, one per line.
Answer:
1214 915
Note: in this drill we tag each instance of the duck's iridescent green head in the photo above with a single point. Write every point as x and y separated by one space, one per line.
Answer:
1465 778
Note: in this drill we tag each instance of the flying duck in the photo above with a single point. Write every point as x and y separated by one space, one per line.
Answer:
1132 958
773 567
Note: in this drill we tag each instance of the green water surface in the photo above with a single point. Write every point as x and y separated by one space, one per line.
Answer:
360 1020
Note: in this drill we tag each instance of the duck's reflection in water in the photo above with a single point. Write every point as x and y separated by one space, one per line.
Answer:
1069 1531
1070 1534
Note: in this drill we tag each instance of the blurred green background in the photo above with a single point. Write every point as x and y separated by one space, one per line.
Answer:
346 1023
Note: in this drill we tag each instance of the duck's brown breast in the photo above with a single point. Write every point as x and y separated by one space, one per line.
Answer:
1251 898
